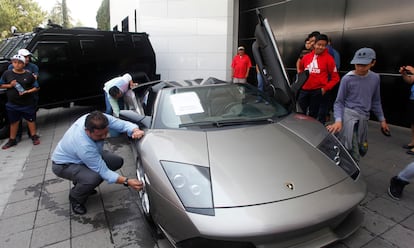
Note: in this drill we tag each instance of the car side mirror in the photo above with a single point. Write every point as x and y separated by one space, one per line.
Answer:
134 117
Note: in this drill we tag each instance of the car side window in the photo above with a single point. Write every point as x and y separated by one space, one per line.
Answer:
51 53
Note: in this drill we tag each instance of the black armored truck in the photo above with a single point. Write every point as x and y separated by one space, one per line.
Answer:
75 63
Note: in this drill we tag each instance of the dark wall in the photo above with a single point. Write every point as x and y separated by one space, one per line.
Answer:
351 24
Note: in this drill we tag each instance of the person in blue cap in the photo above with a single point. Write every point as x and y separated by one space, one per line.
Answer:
358 95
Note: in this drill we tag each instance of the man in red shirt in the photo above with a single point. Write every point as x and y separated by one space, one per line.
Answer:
323 76
240 66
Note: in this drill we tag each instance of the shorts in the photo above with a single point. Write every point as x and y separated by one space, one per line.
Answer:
16 113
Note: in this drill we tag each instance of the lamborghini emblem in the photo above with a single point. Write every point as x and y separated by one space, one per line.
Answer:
290 186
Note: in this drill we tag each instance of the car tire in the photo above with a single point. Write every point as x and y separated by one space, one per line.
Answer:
4 132
145 205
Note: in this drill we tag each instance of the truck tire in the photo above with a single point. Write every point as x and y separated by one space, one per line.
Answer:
4 131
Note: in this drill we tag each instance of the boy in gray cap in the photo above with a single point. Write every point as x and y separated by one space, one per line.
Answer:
358 94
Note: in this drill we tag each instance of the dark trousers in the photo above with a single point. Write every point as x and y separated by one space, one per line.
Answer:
310 102
85 179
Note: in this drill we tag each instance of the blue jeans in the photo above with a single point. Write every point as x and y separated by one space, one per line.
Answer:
407 174
108 107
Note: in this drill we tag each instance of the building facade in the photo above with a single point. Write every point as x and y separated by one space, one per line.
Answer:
192 39
198 38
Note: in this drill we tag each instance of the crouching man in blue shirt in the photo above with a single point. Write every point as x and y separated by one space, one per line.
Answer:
79 156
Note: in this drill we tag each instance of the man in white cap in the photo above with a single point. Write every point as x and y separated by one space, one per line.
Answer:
115 89
358 95
240 65
28 66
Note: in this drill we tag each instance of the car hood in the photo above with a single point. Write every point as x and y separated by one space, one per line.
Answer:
254 164
269 163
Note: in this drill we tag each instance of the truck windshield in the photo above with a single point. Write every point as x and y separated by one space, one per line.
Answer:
10 46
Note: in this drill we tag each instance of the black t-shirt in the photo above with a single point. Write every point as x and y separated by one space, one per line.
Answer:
26 80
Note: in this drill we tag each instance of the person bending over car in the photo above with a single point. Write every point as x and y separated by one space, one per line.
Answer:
79 156
115 89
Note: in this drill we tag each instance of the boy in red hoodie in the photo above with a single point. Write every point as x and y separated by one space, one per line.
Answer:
323 76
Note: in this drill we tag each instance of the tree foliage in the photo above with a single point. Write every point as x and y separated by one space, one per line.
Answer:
103 16
60 14
23 14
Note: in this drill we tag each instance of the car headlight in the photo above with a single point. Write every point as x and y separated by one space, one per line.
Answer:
333 148
193 186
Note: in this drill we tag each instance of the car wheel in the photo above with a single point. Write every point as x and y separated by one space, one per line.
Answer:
145 205
143 194
4 128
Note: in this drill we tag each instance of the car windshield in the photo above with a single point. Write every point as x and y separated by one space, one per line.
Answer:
212 106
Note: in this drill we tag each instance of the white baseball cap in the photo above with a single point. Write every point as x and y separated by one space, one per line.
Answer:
24 52
18 57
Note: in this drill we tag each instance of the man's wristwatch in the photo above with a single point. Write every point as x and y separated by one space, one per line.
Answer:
126 182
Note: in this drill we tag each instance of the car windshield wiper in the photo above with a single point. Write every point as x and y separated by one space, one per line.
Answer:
199 123
230 122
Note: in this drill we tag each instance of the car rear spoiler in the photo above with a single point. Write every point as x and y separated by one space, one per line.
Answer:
271 67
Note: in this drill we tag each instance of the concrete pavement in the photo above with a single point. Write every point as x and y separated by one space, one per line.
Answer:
35 211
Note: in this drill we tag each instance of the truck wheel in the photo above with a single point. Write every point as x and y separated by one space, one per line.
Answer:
4 131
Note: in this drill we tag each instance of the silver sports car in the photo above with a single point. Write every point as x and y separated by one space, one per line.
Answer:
228 166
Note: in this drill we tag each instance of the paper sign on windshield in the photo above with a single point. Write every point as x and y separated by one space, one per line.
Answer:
186 103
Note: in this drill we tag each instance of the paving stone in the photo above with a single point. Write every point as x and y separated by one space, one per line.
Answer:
90 222
35 164
17 224
121 214
23 194
116 198
389 208
101 238
376 223
105 187
39 157
361 237
51 200
18 240
369 197
43 150
21 207
132 232
409 223
33 172
51 234
52 215
377 183
63 244
31 182
400 236
378 242
56 185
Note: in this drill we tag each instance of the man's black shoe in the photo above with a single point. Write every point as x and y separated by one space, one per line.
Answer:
396 188
77 207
